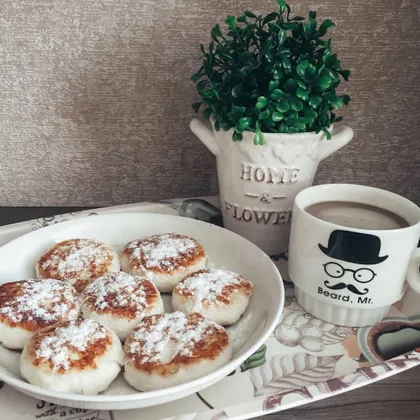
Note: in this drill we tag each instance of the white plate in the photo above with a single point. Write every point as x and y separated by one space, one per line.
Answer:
225 249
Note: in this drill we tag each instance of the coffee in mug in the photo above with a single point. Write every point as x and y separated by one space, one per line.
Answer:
351 249
356 215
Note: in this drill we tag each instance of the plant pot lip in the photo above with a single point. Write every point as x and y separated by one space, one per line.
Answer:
305 134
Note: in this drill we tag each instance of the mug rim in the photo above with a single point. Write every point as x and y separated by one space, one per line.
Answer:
411 206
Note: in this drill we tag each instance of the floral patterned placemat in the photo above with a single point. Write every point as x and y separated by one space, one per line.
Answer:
304 360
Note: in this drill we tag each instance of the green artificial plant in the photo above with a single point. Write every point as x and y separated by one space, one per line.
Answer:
273 73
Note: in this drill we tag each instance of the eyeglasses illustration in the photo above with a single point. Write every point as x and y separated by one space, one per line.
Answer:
362 275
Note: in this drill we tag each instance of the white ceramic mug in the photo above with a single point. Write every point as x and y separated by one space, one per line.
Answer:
346 275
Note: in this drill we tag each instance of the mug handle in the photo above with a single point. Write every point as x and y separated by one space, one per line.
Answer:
340 136
413 273
205 135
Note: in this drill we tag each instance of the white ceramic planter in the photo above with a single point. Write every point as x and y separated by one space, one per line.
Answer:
258 184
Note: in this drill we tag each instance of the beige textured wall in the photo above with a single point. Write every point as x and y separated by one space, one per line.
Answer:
95 97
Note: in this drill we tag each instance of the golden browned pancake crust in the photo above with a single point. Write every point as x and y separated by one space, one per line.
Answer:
192 338
121 295
163 253
213 286
72 345
80 259
35 304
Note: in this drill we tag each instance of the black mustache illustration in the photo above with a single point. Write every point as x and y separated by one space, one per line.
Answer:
340 286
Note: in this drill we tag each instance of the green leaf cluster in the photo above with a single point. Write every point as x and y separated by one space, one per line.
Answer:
270 74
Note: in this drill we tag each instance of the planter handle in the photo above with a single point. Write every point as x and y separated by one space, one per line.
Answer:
341 135
205 135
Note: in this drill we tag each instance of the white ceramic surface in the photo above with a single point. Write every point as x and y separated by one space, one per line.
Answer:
349 276
17 261
258 184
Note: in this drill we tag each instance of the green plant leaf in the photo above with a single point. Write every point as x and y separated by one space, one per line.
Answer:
277 116
258 137
327 134
282 5
297 122
237 91
264 115
282 106
336 102
254 94
301 84
196 76
237 136
279 92
207 113
312 20
290 26
346 99
291 85
306 30
310 71
209 93
278 74
291 114
261 103
282 36
241 18
250 14
285 52
226 126
296 104
231 22
324 81
345 74
301 68
216 33
196 106
296 19
244 123
238 112
270 17
287 64
273 85
302 94
334 75
308 112
315 101
326 56
327 24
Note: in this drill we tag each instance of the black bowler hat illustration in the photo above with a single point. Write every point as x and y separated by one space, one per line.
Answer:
354 247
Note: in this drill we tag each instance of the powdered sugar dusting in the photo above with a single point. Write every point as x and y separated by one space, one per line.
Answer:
170 335
163 251
76 255
42 301
62 346
119 290
208 286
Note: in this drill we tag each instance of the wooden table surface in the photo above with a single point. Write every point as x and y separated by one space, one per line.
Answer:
394 398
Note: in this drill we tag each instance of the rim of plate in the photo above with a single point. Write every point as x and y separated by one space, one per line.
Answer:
20 383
